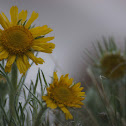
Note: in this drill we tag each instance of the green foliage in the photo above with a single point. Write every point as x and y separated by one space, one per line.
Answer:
22 105
23 110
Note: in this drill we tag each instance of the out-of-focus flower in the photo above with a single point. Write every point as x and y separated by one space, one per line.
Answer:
110 61
61 93
19 40
113 65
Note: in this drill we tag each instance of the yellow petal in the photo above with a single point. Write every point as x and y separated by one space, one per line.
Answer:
55 77
61 79
70 81
81 94
26 62
3 55
76 86
33 17
35 59
51 105
2 22
1 31
67 113
42 40
14 15
81 103
76 106
66 78
82 98
49 102
22 15
6 19
44 47
21 65
78 89
37 48
8 69
1 48
38 31
46 31
45 98
10 60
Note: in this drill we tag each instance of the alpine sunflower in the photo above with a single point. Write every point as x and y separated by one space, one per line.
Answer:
61 93
19 40
113 65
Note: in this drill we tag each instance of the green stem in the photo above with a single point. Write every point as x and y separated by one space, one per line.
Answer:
116 94
38 118
14 77
125 101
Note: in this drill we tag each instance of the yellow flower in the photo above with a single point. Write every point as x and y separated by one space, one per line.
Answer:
113 65
18 40
63 94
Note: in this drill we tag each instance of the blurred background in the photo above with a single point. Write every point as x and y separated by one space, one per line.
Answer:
76 24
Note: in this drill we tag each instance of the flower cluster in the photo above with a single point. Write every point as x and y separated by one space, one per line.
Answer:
18 42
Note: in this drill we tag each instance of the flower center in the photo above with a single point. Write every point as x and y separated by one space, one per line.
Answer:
17 39
113 66
62 94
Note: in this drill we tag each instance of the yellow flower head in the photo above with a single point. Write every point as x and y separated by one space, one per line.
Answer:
19 40
63 94
113 65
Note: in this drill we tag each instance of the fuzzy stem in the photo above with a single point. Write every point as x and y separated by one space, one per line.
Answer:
14 77
38 118
125 101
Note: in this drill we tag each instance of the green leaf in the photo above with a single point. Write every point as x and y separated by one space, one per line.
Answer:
42 90
17 115
38 37
22 116
28 119
89 55
32 26
100 48
33 96
4 112
24 22
19 21
125 48
112 44
97 52
24 94
44 78
105 44
36 83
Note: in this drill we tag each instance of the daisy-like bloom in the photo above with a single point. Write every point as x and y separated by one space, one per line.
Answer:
61 93
19 40
113 65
